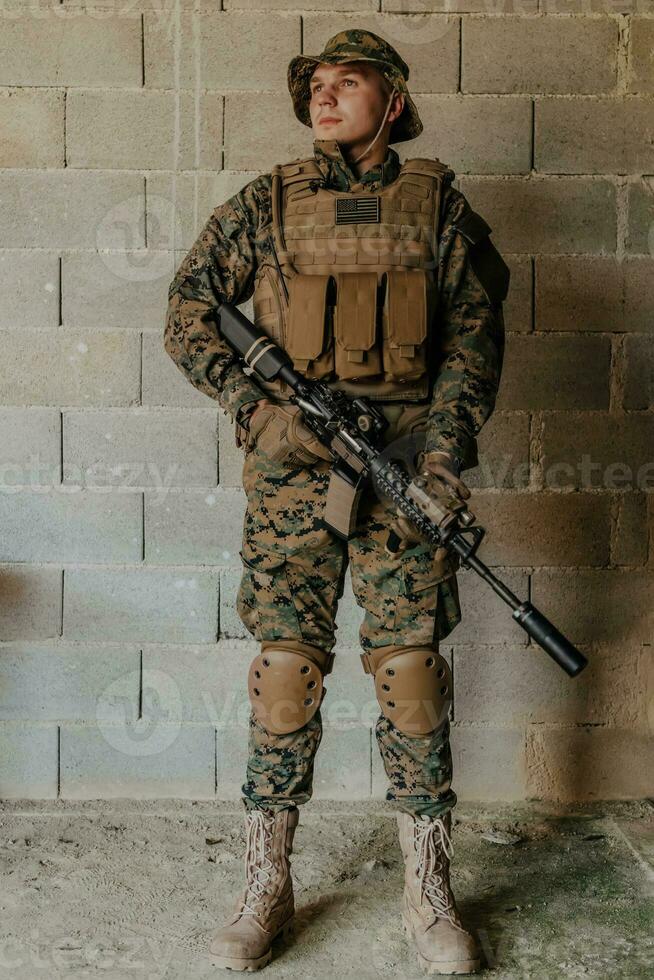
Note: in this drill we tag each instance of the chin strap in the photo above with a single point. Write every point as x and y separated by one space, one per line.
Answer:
368 148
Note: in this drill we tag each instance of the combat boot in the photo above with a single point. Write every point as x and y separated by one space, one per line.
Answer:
429 911
266 906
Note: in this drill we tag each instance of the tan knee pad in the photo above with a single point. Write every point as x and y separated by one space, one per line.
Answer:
285 684
413 685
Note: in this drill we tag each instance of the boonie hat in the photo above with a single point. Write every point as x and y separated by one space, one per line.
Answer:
356 45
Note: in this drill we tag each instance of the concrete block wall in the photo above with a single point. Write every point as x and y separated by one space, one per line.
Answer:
124 123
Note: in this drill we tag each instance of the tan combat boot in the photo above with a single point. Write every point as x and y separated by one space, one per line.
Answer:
266 906
429 911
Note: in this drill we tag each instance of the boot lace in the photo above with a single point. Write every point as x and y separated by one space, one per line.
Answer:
258 865
432 868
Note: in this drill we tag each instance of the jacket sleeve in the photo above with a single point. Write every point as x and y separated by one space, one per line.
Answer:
469 330
219 268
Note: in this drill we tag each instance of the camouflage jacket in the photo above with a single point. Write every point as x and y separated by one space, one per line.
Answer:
221 267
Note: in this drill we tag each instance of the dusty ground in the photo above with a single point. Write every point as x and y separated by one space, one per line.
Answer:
122 889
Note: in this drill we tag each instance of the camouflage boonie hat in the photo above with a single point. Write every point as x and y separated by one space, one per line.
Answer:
356 45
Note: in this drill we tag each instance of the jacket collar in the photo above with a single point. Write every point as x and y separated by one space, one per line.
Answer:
341 177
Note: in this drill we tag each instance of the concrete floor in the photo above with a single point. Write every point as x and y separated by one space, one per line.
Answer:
122 889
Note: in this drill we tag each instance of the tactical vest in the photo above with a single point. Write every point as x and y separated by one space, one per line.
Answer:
350 291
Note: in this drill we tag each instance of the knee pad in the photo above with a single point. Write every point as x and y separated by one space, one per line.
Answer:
285 684
413 686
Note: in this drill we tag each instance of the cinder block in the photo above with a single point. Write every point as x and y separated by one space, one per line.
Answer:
30 603
484 617
84 367
539 55
641 43
163 384
503 452
29 289
308 5
510 686
580 293
145 760
31 446
49 49
586 135
462 6
32 124
253 50
61 682
638 297
518 305
141 605
210 681
195 528
640 227
589 763
273 134
146 122
28 761
598 605
614 452
116 289
476 134
542 372
630 545
639 374
546 214
544 528
71 209
147 448
488 763
428 44
61 526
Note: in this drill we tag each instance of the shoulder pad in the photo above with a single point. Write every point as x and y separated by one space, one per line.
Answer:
429 167
299 168
472 226
487 263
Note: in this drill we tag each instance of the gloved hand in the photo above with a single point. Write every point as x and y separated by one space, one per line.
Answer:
278 431
443 485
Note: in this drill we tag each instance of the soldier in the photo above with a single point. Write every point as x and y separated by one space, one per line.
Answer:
379 278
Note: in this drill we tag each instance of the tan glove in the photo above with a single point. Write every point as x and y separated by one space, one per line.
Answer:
279 433
443 485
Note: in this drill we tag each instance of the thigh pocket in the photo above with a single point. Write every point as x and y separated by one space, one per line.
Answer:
265 602
416 609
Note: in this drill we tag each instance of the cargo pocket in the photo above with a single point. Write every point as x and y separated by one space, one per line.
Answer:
264 601
357 350
309 328
408 309
416 610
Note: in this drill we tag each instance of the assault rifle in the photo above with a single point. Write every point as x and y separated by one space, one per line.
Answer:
352 430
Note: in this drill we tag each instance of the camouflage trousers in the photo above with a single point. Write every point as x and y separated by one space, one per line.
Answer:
293 576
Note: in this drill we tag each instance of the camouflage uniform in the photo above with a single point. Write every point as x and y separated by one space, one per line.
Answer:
293 567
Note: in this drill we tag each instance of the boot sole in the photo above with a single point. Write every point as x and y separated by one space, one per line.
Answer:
252 964
443 966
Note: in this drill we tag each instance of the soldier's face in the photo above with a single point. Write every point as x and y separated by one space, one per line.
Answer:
347 102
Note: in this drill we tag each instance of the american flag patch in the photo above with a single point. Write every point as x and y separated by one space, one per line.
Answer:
357 209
